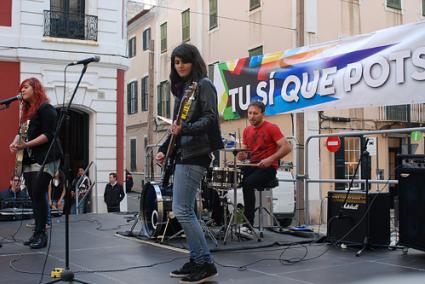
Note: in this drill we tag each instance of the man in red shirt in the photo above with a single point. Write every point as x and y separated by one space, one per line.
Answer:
266 145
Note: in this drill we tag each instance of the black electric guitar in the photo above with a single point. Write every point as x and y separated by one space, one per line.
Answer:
184 108
23 131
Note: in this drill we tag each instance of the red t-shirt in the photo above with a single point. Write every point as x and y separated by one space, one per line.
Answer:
262 141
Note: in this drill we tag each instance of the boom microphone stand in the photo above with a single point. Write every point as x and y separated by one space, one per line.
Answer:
68 275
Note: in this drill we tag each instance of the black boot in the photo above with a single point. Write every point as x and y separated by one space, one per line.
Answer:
40 241
30 240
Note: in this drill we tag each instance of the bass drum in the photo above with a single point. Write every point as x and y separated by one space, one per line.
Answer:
155 208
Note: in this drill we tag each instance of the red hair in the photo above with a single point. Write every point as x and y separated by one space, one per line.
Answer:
39 97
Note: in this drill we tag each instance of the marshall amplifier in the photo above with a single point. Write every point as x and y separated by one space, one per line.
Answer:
411 194
344 216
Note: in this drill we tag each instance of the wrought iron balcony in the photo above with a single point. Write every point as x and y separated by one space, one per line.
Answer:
68 25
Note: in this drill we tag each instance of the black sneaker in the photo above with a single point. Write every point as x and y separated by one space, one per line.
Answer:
186 269
30 240
40 241
203 273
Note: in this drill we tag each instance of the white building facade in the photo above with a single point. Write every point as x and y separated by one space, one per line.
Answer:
41 38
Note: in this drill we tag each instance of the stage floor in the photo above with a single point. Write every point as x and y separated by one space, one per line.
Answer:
95 247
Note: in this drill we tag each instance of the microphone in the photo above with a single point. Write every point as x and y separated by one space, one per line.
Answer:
85 61
10 100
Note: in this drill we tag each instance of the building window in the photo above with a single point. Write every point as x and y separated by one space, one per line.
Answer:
133 154
132 47
213 14
351 157
146 38
211 70
67 19
395 4
423 8
254 4
145 87
164 99
256 51
186 25
164 37
132 97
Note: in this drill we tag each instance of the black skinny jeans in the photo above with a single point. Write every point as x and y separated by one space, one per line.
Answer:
37 189
253 178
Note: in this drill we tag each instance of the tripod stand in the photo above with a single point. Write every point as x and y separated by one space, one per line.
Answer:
237 211
68 275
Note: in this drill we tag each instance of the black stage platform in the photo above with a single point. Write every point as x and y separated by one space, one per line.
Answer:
95 247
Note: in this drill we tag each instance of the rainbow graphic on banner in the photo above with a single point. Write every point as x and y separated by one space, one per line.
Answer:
263 77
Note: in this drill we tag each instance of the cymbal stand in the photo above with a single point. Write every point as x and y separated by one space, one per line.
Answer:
236 210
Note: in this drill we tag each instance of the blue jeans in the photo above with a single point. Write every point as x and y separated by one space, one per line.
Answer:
186 183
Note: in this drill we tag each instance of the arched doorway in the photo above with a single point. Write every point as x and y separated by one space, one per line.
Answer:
78 143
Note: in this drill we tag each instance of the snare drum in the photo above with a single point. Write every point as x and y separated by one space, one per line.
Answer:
155 206
223 178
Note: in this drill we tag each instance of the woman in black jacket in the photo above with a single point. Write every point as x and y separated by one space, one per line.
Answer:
42 118
197 136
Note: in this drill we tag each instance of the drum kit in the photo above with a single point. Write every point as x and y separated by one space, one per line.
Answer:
159 222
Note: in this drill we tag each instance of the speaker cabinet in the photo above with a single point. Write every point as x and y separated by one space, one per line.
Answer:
411 191
347 221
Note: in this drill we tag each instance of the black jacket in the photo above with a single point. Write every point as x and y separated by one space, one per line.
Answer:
43 122
113 195
200 133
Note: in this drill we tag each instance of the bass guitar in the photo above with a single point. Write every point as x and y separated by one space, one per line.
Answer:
169 161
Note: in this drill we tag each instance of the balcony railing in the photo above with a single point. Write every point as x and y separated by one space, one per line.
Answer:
405 113
68 25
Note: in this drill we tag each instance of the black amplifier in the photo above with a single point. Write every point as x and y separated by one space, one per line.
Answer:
344 216
411 194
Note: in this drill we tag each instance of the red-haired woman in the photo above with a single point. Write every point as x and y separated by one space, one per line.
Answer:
42 118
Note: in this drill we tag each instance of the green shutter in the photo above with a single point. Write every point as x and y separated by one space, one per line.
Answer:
395 4
128 99
164 37
186 25
213 14
254 4
423 8
158 100
136 98
340 166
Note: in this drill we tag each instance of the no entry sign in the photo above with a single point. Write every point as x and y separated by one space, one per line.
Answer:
333 144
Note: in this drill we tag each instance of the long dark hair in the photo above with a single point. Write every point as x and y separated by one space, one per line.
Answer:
188 54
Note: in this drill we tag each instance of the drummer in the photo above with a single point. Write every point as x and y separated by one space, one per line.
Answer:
266 145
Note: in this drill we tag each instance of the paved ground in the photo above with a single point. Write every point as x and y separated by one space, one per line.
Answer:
111 259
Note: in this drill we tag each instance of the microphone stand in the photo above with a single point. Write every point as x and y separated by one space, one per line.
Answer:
67 275
366 239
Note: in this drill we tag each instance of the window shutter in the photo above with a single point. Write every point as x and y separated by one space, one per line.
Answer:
128 98
340 166
136 97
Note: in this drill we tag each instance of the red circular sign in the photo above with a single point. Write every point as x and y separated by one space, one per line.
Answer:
333 144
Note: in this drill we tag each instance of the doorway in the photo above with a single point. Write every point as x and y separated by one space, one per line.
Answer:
77 145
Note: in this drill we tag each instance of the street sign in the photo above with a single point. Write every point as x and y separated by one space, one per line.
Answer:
333 144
